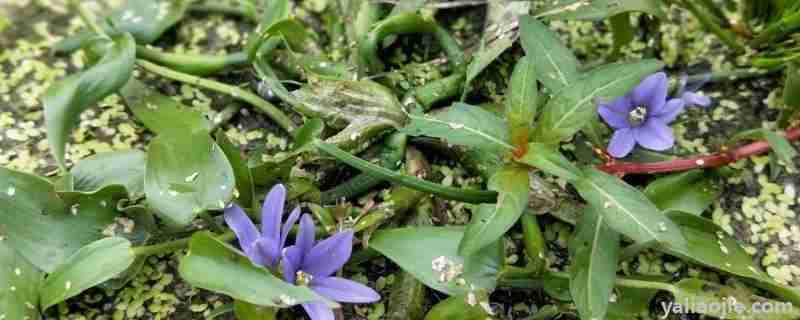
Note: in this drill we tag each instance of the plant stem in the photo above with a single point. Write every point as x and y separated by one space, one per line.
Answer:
87 17
722 158
730 75
707 20
173 245
276 114
195 64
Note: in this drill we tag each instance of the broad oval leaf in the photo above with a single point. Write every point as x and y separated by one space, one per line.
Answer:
91 265
574 106
19 294
549 160
690 191
627 210
147 20
521 100
124 168
40 226
599 9
441 253
594 250
463 124
740 303
213 265
187 173
67 98
556 66
491 220
158 112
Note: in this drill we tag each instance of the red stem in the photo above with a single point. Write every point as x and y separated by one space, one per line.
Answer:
719 159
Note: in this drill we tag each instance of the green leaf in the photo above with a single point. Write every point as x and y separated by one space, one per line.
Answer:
67 98
521 100
690 191
237 277
242 173
627 210
593 271
407 298
740 303
556 66
249 311
40 226
622 31
456 307
441 245
791 93
463 124
599 9
91 265
123 168
19 294
158 112
486 55
502 19
631 303
778 142
575 106
491 220
147 20
305 135
548 159
187 173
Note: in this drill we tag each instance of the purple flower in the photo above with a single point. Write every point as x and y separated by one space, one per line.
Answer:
309 264
263 248
643 114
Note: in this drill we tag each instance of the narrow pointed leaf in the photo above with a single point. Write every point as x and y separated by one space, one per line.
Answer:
491 221
521 100
463 124
556 66
598 9
576 105
594 251
550 160
627 210
91 265
67 98
403 247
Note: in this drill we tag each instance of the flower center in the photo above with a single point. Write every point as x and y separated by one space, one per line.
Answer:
303 279
637 116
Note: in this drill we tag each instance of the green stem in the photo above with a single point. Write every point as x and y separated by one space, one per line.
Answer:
781 27
707 20
174 245
87 17
276 114
731 75
436 91
516 279
195 64
458 194
534 241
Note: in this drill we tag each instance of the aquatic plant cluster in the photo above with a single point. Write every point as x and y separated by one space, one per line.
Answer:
560 143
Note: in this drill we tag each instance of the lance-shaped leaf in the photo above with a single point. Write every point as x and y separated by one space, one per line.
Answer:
690 191
463 124
491 220
521 100
701 296
91 265
627 210
147 20
123 168
67 98
594 250
237 277
187 174
556 66
40 226
440 266
548 159
19 294
791 94
598 9
573 107
500 33
159 112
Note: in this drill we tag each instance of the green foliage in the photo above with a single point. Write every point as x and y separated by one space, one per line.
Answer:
19 295
456 307
158 112
521 100
594 249
598 9
147 20
691 191
556 66
463 124
118 168
550 160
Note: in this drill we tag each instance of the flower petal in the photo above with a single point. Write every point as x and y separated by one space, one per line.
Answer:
287 226
343 290
671 110
272 211
616 112
329 255
318 311
269 251
242 226
655 135
258 255
305 236
622 142
651 92
694 99
291 263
